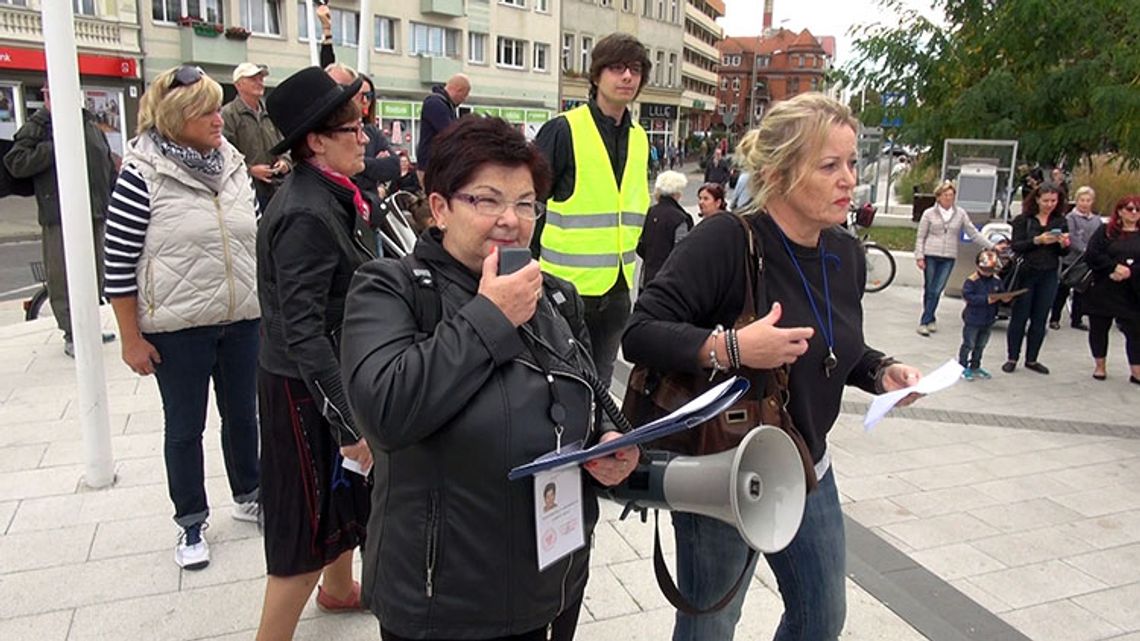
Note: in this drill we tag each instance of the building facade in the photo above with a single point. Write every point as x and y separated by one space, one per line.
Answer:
699 64
657 24
506 47
107 40
757 71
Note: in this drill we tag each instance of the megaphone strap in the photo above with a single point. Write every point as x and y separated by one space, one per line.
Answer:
669 587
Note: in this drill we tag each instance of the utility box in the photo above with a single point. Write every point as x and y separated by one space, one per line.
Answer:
977 189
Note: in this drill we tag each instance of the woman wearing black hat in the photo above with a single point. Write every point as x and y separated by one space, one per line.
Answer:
310 241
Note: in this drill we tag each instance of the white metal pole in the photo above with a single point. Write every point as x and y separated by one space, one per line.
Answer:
314 37
78 239
364 43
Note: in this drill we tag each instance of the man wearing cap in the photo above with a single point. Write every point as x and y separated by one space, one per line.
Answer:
247 126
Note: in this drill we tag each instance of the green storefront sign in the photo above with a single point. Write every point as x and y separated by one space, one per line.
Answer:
486 111
537 117
512 115
390 109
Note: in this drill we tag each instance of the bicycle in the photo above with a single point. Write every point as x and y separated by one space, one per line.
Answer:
33 305
881 267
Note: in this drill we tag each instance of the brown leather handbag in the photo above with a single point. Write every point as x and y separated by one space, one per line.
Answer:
651 394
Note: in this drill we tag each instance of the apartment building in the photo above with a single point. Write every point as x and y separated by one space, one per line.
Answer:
505 46
699 64
107 39
656 23
757 71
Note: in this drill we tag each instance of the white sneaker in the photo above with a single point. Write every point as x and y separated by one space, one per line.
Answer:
932 327
192 551
923 330
250 512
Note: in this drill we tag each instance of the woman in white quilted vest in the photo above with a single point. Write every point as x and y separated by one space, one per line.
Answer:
182 278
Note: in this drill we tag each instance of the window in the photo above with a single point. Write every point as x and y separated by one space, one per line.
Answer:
384 33
567 52
477 48
724 83
720 109
794 86
673 11
15 3
542 6
736 61
260 16
627 5
172 10
345 26
660 9
432 41
606 3
541 57
511 53
815 84
658 67
587 47
799 61
672 75
514 3
763 61
736 84
84 7
647 10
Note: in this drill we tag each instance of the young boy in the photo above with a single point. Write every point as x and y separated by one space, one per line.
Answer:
981 291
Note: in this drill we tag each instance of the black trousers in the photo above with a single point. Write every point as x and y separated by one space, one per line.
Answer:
1099 328
1075 314
606 316
562 628
56 267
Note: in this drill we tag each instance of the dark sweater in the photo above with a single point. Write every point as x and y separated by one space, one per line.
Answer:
666 224
1107 297
979 311
1040 258
702 285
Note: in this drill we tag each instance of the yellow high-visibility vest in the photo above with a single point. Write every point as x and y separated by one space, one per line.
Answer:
593 234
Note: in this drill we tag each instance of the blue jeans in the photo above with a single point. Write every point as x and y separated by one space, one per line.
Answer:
935 275
190 358
974 339
810 573
1030 308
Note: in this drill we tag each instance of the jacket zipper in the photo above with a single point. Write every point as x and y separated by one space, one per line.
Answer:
565 578
360 244
228 258
150 288
573 377
432 542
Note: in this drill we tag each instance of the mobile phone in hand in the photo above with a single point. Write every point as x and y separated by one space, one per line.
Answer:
512 259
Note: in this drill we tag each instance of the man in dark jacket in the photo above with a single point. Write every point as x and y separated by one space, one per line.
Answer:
717 170
33 156
440 109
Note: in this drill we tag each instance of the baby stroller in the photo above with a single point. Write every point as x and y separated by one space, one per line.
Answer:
398 221
1000 234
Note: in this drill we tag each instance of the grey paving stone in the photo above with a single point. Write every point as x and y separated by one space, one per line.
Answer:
159 533
957 561
1101 501
1027 515
878 512
1061 621
867 488
1038 583
936 478
35 550
940 530
945 501
27 484
124 448
90 507
609 547
637 578
606 598
1024 488
1109 531
980 596
1116 605
51 626
21 457
7 511
1114 566
1035 546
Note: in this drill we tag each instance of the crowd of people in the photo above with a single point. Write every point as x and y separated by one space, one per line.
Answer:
375 400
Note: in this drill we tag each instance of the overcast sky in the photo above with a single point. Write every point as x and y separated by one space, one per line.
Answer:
821 17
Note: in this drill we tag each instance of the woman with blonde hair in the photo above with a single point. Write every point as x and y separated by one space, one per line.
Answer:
182 279
936 247
810 323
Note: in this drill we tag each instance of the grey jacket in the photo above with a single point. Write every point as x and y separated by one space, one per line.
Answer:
937 237
33 156
1080 231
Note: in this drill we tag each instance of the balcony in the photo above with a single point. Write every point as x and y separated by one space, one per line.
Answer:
20 24
452 8
701 47
708 23
693 71
209 50
435 71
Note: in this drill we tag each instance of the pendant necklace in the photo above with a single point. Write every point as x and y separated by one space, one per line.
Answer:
830 361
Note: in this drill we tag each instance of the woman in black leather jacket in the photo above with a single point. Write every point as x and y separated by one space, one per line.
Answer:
309 243
457 374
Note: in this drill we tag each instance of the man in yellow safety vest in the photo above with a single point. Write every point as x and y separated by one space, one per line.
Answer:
600 193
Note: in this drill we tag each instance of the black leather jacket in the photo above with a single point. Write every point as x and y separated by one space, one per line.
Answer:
309 243
448 412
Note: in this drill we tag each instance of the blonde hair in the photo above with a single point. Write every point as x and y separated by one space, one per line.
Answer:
945 186
790 137
167 110
670 183
1084 189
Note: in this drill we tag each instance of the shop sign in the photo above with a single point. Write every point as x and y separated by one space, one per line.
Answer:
390 109
486 111
537 116
657 110
89 64
512 115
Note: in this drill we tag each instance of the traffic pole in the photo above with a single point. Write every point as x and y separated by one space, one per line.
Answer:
311 17
364 38
78 240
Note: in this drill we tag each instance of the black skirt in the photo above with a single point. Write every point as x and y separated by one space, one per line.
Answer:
314 509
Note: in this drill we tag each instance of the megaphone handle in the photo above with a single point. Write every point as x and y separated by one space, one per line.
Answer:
669 587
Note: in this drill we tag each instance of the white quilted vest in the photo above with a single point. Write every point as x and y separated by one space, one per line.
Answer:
198 265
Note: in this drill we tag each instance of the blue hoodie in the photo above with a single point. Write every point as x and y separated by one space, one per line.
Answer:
976 291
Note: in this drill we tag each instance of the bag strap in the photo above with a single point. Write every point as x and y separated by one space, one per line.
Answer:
755 290
427 305
669 587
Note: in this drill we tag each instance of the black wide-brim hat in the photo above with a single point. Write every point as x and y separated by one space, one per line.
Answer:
303 101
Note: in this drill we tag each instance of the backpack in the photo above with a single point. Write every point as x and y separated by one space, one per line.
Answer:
9 184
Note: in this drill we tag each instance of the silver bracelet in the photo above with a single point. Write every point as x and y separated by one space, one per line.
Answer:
733 345
714 362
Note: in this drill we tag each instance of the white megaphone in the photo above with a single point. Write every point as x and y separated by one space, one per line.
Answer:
757 487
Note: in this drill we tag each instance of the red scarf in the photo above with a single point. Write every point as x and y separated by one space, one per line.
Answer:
362 208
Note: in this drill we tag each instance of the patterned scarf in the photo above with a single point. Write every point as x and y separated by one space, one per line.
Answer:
362 208
205 167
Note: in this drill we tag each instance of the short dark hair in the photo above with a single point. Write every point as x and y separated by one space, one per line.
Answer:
716 190
346 113
473 141
550 487
617 48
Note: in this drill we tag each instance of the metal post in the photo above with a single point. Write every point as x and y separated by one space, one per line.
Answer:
311 18
78 240
364 42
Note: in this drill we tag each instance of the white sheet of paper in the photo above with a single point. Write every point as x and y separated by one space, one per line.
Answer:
948 374
558 514
353 466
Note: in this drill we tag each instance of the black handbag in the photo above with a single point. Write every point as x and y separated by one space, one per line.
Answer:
1077 276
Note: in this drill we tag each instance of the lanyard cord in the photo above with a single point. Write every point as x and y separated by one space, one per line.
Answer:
557 410
828 331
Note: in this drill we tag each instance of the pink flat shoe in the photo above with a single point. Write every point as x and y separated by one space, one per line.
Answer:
333 606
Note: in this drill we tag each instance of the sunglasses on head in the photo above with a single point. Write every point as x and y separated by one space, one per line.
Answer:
186 75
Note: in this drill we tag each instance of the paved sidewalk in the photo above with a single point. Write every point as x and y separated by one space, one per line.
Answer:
1022 493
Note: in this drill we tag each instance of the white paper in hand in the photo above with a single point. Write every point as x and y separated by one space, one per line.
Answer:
943 377
353 466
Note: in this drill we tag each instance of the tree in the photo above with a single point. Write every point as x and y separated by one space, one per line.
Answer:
1061 77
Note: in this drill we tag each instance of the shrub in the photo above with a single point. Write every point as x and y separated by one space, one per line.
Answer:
921 174
1108 179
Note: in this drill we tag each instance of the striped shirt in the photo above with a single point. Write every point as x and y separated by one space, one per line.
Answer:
127 219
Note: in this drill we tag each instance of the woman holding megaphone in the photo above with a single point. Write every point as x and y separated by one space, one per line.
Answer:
809 319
